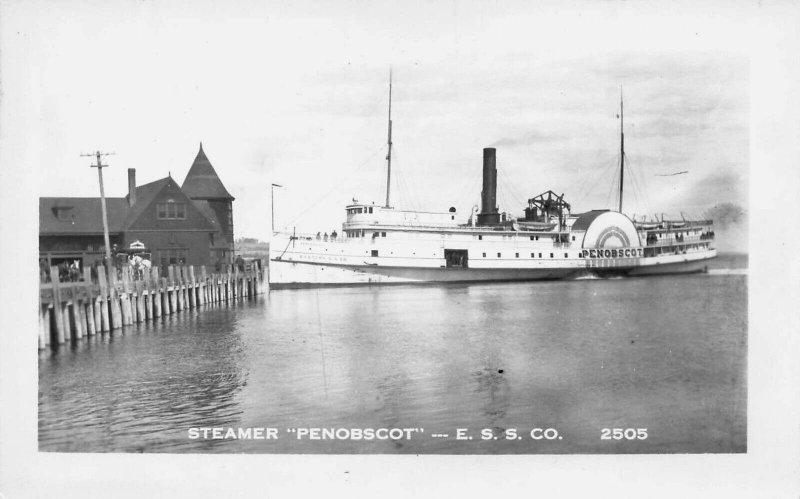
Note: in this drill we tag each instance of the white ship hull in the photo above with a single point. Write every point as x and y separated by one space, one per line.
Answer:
309 264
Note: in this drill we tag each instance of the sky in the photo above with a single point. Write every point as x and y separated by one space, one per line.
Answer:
296 93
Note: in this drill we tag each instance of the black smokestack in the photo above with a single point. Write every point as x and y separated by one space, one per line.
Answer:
489 214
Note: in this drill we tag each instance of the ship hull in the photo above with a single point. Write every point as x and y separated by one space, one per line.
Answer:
288 274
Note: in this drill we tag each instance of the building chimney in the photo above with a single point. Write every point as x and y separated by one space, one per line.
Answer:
489 214
131 186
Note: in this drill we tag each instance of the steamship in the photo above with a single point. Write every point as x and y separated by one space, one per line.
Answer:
380 244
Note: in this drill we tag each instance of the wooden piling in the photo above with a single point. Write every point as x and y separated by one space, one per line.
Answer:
57 310
227 281
148 298
157 291
184 286
73 309
125 301
173 294
192 289
204 285
88 308
114 299
44 318
87 303
140 299
102 300
165 301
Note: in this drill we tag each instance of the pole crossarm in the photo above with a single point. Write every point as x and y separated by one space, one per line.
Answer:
100 166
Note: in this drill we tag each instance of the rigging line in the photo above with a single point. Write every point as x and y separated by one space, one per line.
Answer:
510 191
411 194
335 187
467 188
641 185
600 174
640 193
510 186
592 180
614 185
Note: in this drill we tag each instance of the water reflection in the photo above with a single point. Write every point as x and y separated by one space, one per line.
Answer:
445 357
141 390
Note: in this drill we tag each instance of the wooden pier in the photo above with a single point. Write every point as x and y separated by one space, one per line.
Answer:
68 311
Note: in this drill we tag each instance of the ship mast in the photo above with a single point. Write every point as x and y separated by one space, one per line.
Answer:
621 149
389 143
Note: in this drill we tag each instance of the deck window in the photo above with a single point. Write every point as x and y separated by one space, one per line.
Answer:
480 237
551 255
540 255
484 255
531 238
566 255
370 210
374 252
517 255
383 234
498 255
533 255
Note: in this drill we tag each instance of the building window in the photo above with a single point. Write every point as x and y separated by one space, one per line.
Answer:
211 238
172 210
516 255
573 238
64 213
172 256
537 238
480 238
551 255
383 234
531 238
370 210
498 255
565 255
484 255
532 255
374 252
540 255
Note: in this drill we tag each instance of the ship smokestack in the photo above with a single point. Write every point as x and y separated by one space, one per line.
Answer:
489 214
131 186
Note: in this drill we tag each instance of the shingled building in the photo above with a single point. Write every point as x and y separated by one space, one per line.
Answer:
188 224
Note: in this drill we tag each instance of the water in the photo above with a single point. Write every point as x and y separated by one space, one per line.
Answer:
666 353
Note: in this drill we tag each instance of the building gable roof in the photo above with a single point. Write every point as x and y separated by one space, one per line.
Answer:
145 194
202 181
80 215
148 195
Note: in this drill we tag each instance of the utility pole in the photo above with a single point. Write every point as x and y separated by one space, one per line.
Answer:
272 211
100 167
